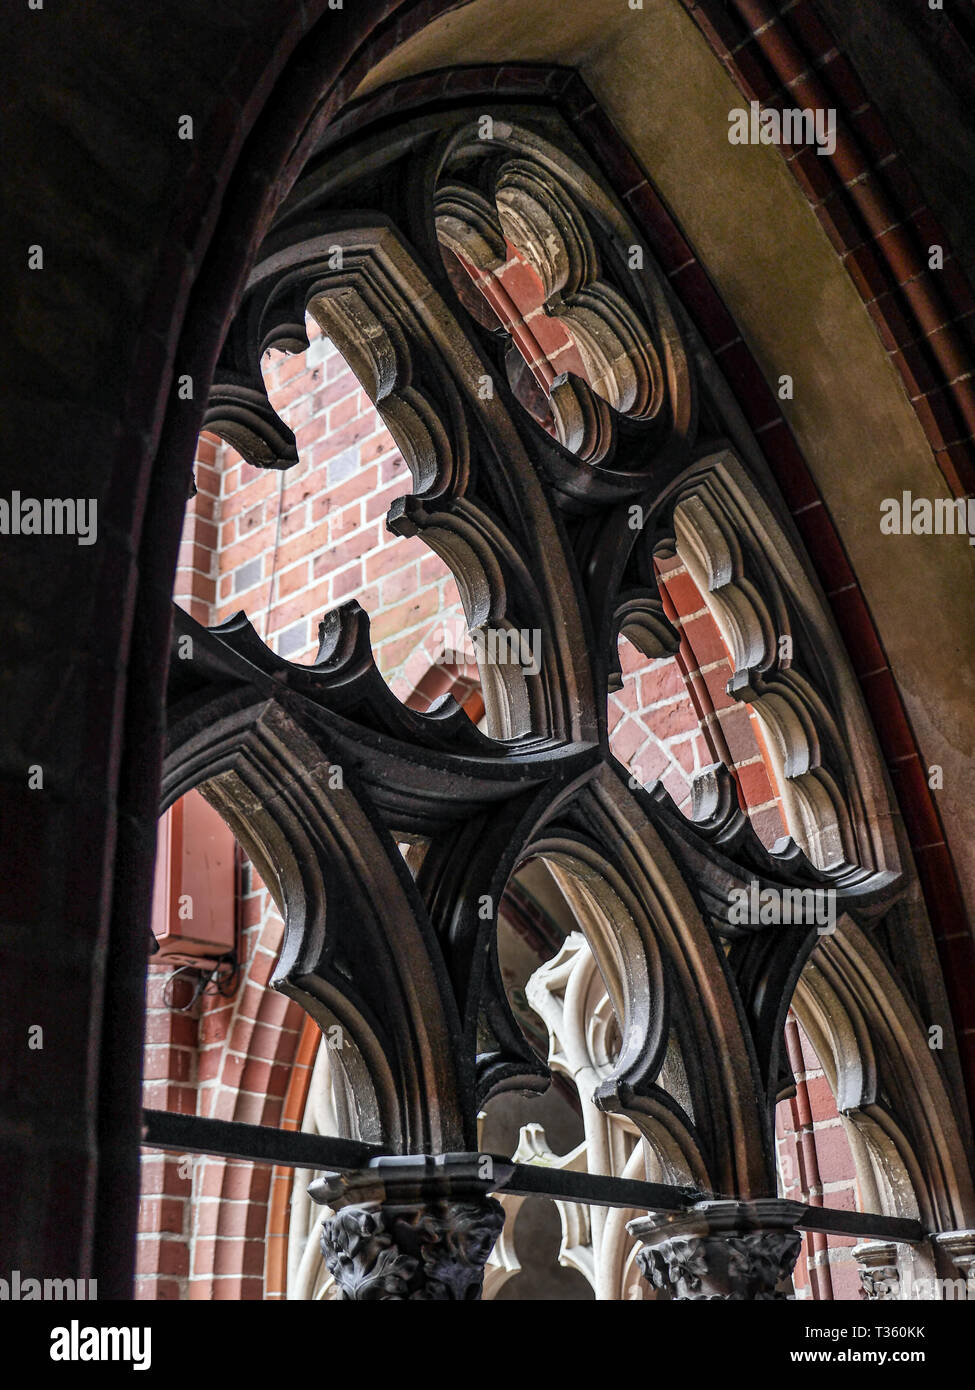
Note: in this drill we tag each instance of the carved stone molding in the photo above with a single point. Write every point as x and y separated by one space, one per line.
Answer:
412 1228
738 1251
879 1275
960 1248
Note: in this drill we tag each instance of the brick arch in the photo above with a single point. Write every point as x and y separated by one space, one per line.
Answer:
870 207
202 1221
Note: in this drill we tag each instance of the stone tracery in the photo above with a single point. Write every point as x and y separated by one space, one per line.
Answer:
535 532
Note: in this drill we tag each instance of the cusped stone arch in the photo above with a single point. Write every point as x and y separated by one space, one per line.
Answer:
890 1087
790 666
569 994
528 185
668 986
328 867
369 294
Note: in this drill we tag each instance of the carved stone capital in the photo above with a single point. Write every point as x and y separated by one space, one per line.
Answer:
959 1246
879 1275
739 1251
412 1228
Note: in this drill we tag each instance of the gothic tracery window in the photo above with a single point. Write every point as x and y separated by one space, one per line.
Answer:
651 733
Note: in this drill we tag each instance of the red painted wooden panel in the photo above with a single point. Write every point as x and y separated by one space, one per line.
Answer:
193 898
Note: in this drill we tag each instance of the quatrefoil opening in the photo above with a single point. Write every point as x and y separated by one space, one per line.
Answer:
525 263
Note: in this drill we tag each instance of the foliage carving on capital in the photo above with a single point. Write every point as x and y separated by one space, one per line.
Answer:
737 1268
416 1252
728 1250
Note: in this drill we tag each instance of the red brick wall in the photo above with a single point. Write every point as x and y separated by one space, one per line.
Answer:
165 1210
202 1220
196 584
816 1166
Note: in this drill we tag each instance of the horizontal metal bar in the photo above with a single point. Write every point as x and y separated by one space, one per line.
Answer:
530 1180
258 1143
591 1189
295 1149
865 1224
